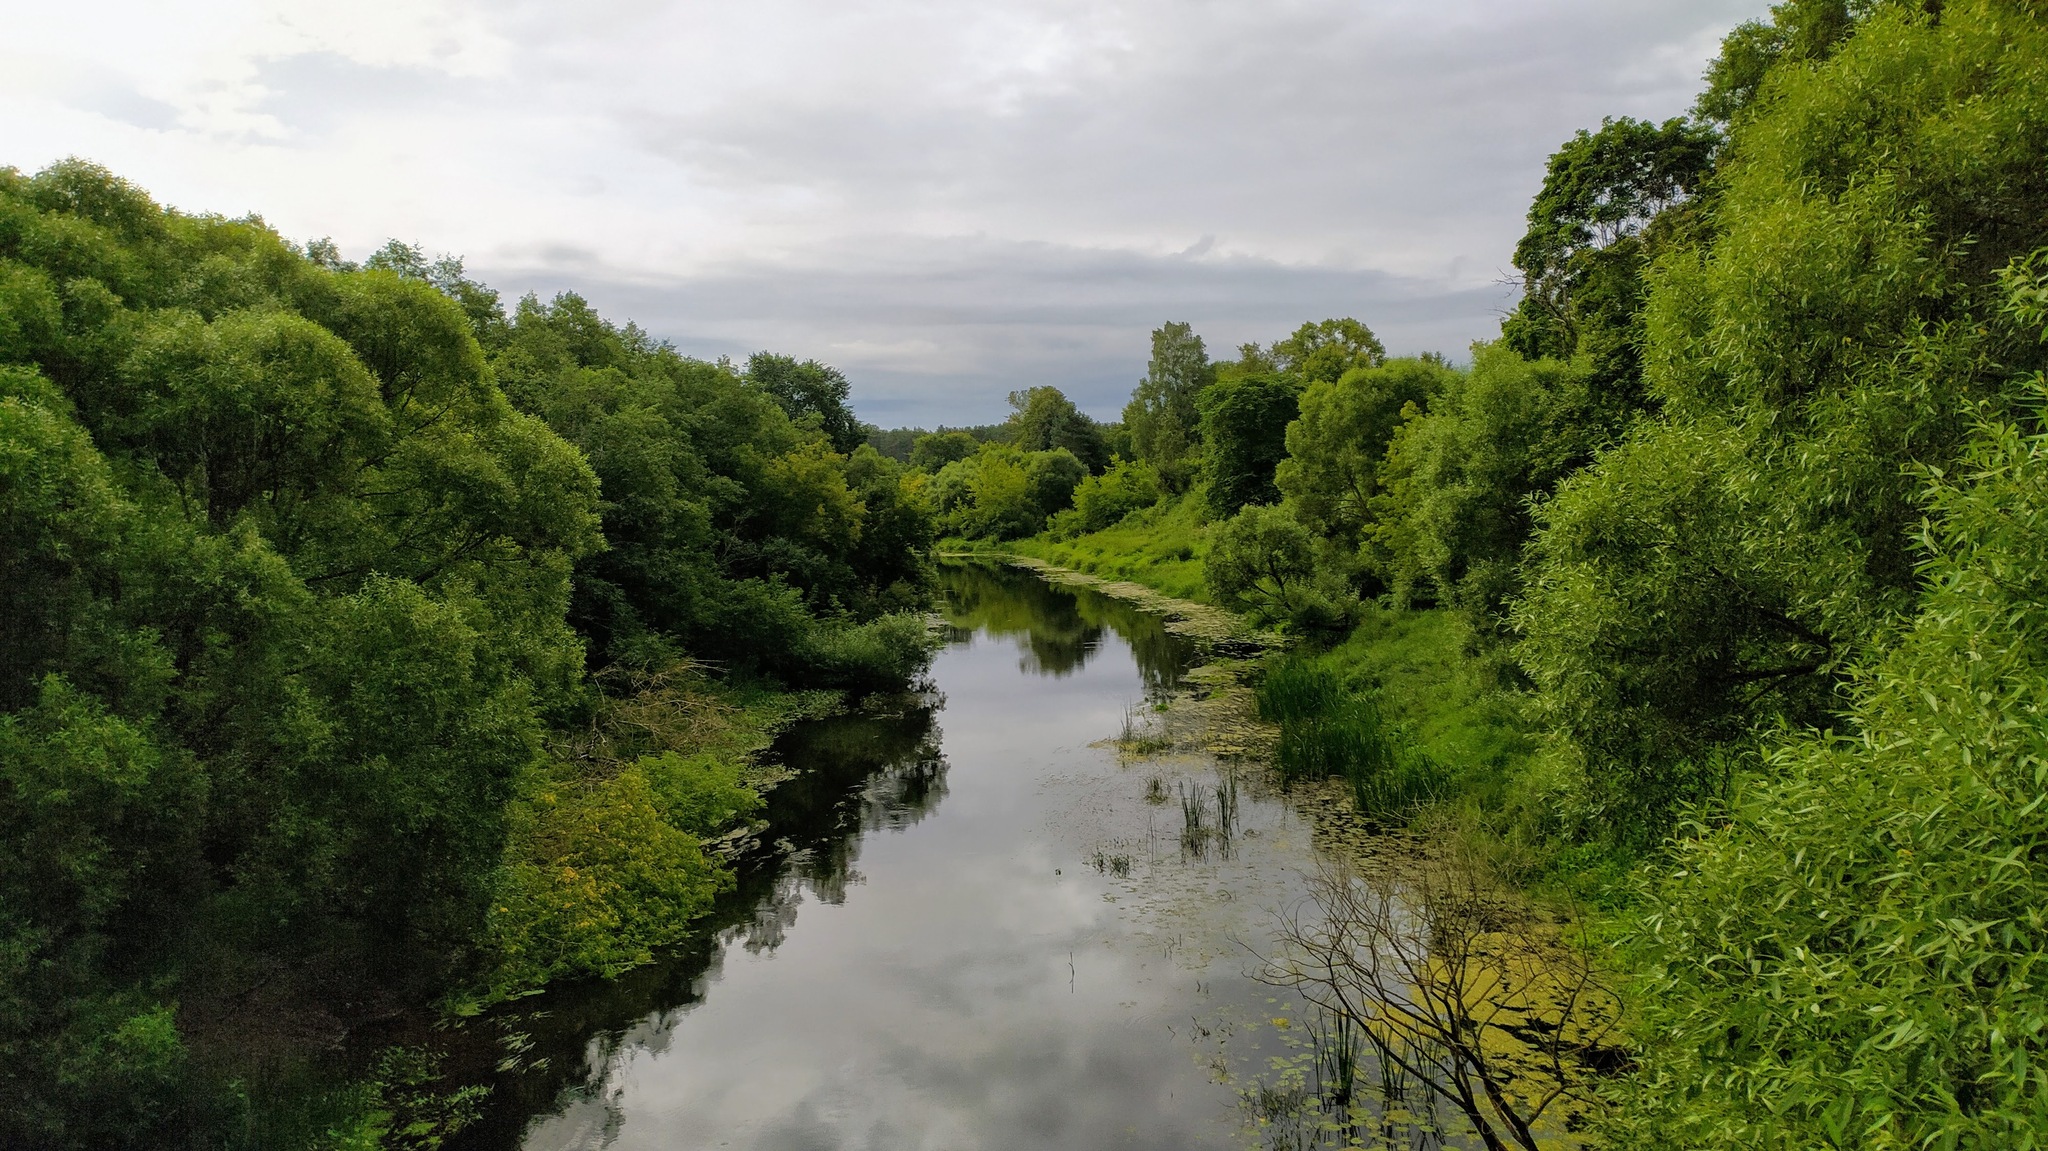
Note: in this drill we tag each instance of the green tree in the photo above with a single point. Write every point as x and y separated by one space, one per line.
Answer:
1244 427
1263 562
1847 955
1325 350
811 393
1162 417
1612 201
1806 362
305 564
1044 419
1103 500
1799 31
1459 481
936 450
1337 447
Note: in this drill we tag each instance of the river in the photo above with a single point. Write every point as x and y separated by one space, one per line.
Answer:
975 925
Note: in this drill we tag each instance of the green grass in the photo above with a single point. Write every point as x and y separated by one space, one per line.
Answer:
1330 729
1161 547
1418 665
1414 665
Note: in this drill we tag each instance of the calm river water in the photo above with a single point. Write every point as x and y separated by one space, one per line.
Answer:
977 929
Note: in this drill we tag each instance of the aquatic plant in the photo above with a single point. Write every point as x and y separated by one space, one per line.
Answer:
1226 803
1192 809
1298 687
1478 1002
1139 736
1111 863
1329 732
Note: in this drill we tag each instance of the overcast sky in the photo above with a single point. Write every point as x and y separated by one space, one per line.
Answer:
947 200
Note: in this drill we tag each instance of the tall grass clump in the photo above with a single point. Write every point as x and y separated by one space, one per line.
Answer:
1299 687
1329 731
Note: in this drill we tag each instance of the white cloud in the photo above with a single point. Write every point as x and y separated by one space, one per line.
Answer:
850 179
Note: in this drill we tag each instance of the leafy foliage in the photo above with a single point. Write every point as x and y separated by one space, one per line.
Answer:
1046 420
1244 425
1726 564
306 565
1337 447
1105 499
1459 480
1851 954
1325 350
1162 417
1003 493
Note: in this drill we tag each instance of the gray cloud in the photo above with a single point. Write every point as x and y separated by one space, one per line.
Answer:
938 331
949 201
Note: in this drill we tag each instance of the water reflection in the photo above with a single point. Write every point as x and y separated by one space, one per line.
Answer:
921 955
1057 628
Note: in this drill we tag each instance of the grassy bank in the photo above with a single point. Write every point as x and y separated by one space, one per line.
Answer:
1161 547
1439 702
1417 668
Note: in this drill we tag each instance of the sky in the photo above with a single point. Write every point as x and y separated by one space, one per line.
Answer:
948 201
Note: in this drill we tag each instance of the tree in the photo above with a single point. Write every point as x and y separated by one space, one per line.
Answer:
1337 447
1459 481
1798 31
1050 480
1326 349
1044 419
1261 561
810 392
1612 201
937 449
1162 417
1103 500
1879 879
1244 425
1808 365
307 562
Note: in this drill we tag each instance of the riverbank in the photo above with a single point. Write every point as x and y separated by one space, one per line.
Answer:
1525 974
1416 666
1160 547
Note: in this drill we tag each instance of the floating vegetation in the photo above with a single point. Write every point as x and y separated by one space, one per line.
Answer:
1140 734
1155 791
1197 621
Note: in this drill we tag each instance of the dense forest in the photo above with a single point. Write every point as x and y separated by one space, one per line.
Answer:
369 644
1740 521
372 646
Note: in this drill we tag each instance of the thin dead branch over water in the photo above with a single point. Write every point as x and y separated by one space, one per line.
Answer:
1452 985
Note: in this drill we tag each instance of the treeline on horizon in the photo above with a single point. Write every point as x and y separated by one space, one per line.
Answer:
369 644
1746 510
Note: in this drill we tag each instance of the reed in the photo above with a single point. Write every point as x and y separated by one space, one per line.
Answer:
1298 687
1226 803
1328 732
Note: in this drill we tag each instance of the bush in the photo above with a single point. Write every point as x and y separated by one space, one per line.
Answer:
881 653
1263 563
1106 499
